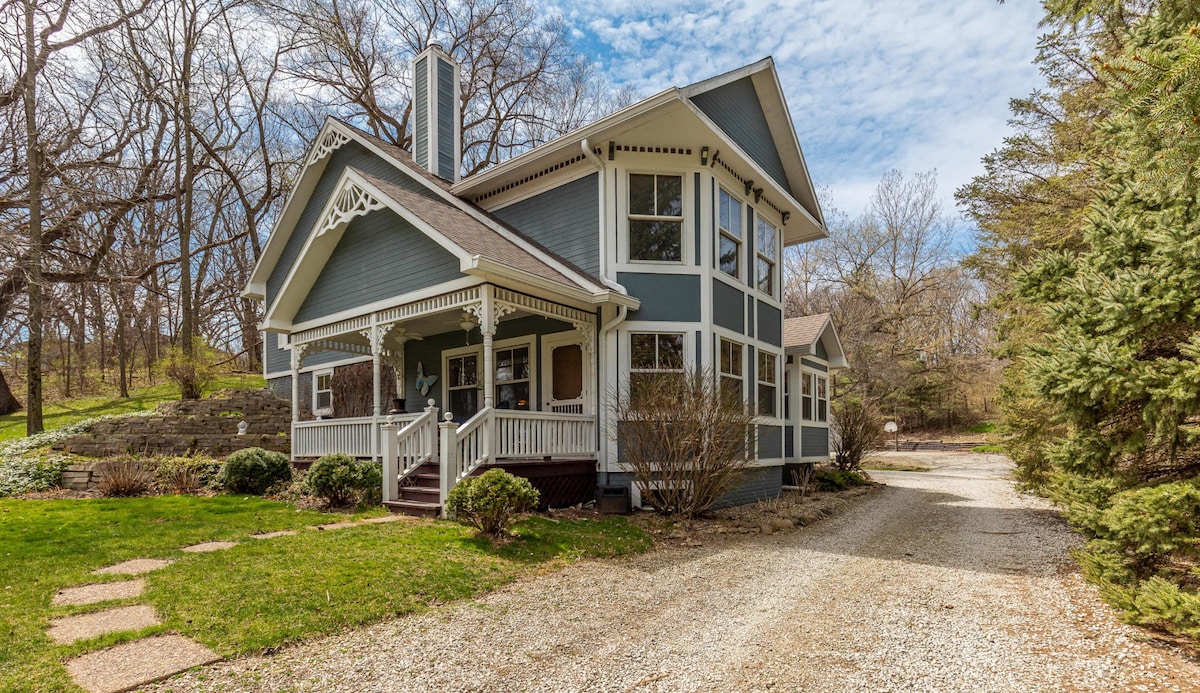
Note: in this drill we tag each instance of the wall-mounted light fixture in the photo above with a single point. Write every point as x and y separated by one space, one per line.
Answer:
749 186
704 156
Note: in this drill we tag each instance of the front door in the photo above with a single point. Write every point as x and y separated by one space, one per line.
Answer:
462 386
564 367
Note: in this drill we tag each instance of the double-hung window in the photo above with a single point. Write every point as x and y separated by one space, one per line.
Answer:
651 355
806 396
729 220
768 381
322 392
655 217
822 398
512 378
765 239
731 367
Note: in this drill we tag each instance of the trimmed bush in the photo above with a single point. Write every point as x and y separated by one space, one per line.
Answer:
253 471
340 480
837 480
182 475
489 502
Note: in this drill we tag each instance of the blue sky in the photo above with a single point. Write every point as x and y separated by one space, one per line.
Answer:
908 84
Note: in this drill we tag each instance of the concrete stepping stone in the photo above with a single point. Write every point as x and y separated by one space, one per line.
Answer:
135 567
128 665
87 626
272 535
209 546
99 592
390 518
337 525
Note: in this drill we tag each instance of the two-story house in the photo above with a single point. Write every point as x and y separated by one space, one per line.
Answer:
492 318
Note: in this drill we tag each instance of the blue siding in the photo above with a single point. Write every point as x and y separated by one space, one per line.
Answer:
280 360
276 359
667 297
814 365
735 108
566 220
819 350
728 308
756 484
379 256
751 327
789 441
814 441
770 324
421 110
770 442
447 112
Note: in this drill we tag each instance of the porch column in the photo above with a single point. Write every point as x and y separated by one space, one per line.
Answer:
376 367
487 327
297 358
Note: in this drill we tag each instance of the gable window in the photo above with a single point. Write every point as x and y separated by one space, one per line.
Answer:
652 354
806 396
767 383
729 221
766 235
655 217
322 402
731 367
512 378
822 398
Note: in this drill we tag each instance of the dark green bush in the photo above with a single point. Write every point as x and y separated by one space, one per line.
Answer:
837 479
490 501
340 479
253 471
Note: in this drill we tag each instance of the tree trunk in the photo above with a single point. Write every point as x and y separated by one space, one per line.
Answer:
33 372
8 403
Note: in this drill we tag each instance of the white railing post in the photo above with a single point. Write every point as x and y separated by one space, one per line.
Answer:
391 461
448 434
429 437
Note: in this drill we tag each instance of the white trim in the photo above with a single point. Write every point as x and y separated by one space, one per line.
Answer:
529 340
555 340
316 375
534 188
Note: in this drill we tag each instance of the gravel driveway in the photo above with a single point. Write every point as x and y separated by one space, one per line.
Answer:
942 581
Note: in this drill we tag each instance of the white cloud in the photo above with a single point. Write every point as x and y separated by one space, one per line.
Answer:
914 85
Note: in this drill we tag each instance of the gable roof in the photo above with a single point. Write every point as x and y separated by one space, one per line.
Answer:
800 335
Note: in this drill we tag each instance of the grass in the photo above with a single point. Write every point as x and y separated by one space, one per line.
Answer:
985 427
997 449
259 594
888 466
59 414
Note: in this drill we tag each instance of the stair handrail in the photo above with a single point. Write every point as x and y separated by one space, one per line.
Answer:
406 448
464 448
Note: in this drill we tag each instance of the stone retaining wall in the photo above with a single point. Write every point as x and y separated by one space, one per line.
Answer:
206 426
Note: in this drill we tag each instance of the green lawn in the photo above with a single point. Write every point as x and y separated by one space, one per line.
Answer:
261 593
59 414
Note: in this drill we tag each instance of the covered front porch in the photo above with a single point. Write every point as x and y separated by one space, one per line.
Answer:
498 375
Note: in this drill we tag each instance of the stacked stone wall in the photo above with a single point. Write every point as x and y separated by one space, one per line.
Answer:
207 426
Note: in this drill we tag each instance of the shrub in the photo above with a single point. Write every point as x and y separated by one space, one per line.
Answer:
340 479
684 436
837 479
124 477
26 474
856 429
192 372
490 501
181 475
253 471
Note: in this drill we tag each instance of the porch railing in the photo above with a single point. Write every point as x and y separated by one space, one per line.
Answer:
494 434
357 437
406 446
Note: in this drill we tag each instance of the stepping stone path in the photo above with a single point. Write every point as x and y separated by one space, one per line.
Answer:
99 592
209 546
135 567
65 631
131 664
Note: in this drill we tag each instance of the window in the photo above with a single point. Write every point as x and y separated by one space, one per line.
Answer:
787 397
512 378
822 399
765 249
462 385
767 383
651 354
731 367
729 220
655 217
322 392
806 396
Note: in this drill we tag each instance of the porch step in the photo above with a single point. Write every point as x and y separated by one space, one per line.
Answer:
423 494
433 481
414 508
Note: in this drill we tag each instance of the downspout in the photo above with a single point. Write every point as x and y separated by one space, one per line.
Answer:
622 310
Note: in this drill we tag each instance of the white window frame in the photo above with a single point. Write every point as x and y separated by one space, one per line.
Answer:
683 355
740 363
531 403
529 340
808 396
760 383
822 408
727 234
681 219
759 219
316 379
